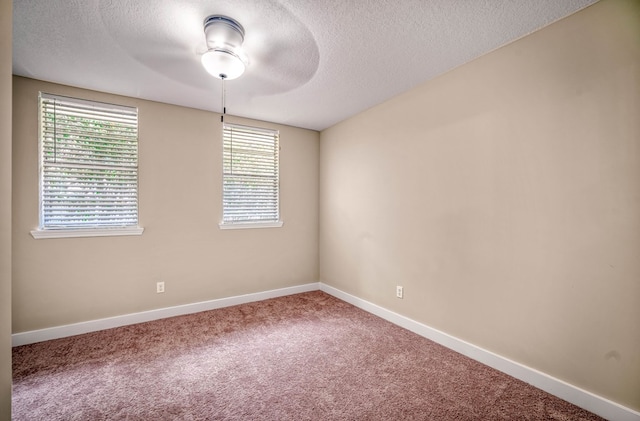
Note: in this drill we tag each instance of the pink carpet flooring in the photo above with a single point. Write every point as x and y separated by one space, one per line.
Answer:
303 357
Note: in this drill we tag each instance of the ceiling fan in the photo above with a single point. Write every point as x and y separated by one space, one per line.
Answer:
238 34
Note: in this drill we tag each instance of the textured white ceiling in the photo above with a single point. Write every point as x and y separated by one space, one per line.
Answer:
312 63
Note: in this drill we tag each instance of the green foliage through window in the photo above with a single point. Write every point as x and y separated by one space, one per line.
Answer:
89 164
251 175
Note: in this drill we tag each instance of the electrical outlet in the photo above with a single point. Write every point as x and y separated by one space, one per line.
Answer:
159 287
399 291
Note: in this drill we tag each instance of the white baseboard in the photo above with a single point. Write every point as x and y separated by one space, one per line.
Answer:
579 397
24 338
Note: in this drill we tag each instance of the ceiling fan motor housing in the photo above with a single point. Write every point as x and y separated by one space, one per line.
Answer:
223 31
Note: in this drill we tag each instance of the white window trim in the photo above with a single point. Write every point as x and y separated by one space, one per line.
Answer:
85 232
249 225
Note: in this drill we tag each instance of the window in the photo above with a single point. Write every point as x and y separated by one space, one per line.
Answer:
88 168
250 177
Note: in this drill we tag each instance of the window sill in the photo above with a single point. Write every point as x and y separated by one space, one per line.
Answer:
86 232
249 225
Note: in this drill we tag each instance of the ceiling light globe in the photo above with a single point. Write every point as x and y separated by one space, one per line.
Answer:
223 64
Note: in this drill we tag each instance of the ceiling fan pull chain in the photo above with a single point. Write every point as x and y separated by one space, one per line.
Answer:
224 108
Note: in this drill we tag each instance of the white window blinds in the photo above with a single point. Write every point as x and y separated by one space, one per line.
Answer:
251 175
88 164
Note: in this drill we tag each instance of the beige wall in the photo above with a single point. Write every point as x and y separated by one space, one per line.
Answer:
62 281
505 197
5 208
